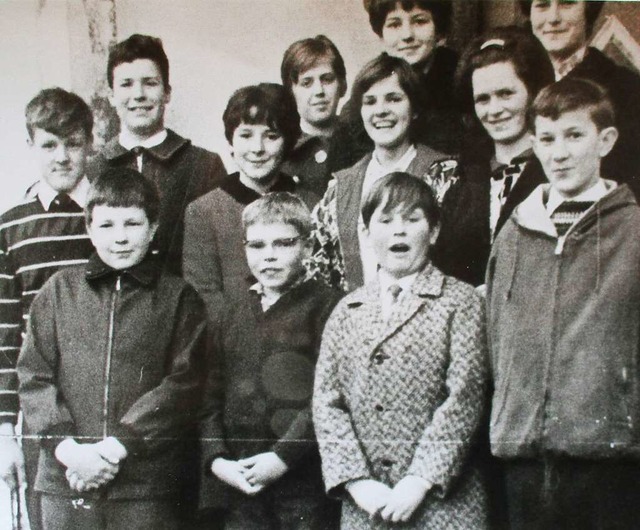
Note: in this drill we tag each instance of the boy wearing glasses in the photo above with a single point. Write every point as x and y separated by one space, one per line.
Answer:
257 433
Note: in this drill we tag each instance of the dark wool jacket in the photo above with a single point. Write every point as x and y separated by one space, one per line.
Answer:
623 162
182 172
214 260
440 125
564 332
464 243
114 353
258 392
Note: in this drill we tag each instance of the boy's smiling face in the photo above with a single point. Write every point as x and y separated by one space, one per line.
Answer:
121 235
258 150
276 254
62 160
570 150
139 97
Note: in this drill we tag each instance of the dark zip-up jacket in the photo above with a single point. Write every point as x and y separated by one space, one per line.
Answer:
114 353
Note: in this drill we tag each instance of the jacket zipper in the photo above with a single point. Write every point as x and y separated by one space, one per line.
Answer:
107 364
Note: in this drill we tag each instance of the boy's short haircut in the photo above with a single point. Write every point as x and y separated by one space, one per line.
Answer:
440 11
305 54
123 188
139 47
267 104
58 112
400 188
571 94
592 10
509 44
381 68
278 207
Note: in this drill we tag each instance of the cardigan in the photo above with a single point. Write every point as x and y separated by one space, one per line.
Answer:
405 397
181 171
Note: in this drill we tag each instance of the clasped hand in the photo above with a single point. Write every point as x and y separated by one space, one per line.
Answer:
91 465
250 475
393 505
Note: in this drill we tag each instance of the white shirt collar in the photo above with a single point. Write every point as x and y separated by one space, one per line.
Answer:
562 68
127 140
593 194
387 281
46 193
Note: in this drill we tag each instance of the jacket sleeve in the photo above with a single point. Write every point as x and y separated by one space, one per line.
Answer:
160 414
212 418
445 444
342 457
200 257
299 439
44 407
11 325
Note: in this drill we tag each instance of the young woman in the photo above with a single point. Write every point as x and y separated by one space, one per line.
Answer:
499 75
388 94
401 379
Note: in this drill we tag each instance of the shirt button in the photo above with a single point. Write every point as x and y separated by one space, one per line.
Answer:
379 407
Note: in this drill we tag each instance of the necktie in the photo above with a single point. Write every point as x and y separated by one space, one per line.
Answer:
138 151
507 174
62 203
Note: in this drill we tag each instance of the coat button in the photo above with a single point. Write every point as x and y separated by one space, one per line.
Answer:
378 359
386 462
379 407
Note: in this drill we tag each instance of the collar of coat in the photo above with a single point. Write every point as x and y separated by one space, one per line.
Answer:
532 213
429 283
144 272
163 152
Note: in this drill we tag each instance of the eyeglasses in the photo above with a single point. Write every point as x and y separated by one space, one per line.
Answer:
278 244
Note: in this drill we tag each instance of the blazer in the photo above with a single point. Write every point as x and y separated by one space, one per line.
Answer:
405 397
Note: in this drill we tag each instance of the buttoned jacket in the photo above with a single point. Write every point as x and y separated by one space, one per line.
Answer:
405 397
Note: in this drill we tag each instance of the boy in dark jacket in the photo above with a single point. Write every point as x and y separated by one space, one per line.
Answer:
566 404
109 372
258 435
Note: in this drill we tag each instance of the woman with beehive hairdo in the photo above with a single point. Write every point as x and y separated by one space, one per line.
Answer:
499 75
415 30
564 28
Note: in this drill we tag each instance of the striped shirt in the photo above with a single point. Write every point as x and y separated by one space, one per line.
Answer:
34 244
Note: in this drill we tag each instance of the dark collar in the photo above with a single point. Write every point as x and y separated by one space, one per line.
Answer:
232 185
171 145
145 272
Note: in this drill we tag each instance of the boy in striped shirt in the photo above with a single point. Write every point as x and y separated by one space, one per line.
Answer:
38 238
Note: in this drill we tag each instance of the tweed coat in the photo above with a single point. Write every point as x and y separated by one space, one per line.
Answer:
405 397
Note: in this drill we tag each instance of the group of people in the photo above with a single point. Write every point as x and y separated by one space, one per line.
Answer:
422 312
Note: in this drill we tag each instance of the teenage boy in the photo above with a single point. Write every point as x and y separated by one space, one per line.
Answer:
110 371
37 238
565 410
564 29
313 71
258 435
138 76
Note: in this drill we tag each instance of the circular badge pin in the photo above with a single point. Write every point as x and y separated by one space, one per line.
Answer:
321 156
